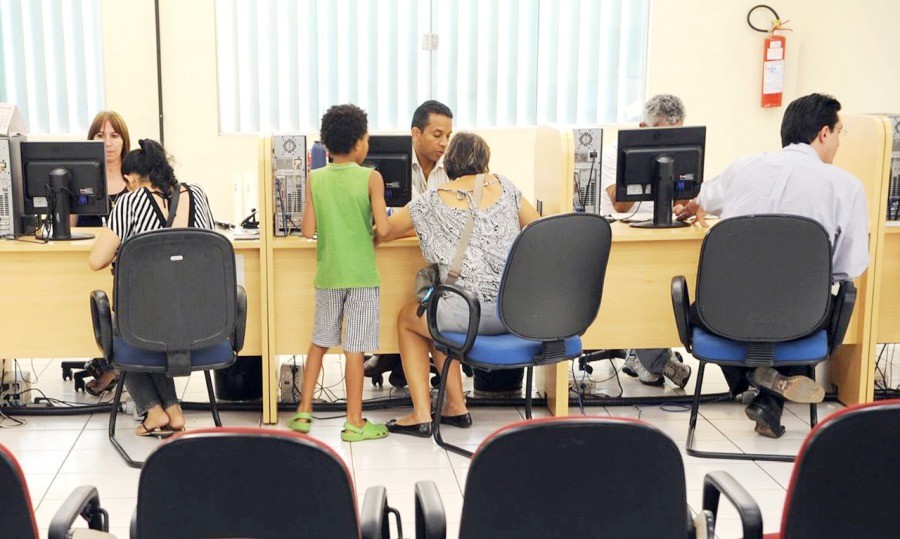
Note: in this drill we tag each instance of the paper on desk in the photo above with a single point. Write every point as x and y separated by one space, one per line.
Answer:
11 122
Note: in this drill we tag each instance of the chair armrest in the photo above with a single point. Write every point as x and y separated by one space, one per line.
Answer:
240 324
841 311
431 523
681 304
716 483
101 317
85 502
373 522
474 318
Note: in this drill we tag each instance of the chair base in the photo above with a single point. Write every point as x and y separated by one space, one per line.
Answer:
117 401
692 425
436 423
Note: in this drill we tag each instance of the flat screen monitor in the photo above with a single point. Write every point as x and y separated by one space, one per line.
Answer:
62 179
391 155
660 164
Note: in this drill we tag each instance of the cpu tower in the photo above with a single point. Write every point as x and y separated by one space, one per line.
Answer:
587 148
11 201
289 164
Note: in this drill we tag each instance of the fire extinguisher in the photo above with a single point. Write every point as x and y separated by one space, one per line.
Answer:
773 60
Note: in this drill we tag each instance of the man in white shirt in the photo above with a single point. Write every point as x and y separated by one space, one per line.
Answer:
798 180
648 365
432 124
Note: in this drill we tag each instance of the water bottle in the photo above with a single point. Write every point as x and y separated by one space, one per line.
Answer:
318 156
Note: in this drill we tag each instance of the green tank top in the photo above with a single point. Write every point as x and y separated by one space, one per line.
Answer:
345 251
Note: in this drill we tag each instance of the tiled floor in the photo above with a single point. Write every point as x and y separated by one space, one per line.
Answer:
59 453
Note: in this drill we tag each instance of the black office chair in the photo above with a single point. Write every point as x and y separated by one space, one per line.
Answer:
763 299
845 480
247 482
18 515
178 309
578 477
549 294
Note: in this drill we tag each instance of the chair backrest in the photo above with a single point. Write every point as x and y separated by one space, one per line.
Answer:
243 482
846 476
16 513
553 279
574 477
175 289
764 278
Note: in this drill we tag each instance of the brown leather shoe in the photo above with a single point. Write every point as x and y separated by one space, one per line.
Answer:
792 388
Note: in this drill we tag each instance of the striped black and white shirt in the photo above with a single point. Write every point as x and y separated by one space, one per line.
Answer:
137 211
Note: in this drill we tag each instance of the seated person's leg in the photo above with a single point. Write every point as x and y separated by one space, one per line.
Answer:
142 389
651 364
165 388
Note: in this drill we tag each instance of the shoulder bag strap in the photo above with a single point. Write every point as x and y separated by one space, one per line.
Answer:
456 265
173 204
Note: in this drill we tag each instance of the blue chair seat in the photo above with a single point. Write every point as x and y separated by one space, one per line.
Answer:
126 355
709 347
506 350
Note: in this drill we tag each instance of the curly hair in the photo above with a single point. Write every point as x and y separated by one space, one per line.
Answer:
342 127
466 154
151 161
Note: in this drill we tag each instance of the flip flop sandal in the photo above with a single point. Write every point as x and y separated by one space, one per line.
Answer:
301 422
91 387
168 428
158 432
369 431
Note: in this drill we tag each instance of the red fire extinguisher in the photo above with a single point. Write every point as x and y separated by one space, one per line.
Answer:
773 60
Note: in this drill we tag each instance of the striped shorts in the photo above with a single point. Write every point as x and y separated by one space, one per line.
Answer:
356 308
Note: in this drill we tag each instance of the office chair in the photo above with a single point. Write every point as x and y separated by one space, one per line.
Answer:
248 482
763 300
532 479
845 480
549 294
178 309
18 515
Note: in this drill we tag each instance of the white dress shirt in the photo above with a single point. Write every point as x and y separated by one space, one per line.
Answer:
795 181
420 184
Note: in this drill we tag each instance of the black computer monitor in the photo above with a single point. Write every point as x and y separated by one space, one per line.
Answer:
64 178
391 155
660 164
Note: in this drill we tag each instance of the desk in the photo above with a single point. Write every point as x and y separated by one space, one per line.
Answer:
44 304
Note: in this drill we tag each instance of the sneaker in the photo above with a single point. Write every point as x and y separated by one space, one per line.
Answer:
792 388
676 371
643 375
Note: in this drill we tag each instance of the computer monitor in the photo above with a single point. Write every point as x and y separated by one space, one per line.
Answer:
391 155
62 179
660 164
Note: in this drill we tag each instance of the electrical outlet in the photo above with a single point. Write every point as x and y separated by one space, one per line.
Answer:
290 382
16 391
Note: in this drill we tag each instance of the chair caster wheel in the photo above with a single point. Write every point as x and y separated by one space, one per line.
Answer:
435 381
397 379
378 380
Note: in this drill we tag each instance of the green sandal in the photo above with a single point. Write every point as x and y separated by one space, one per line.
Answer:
301 422
369 431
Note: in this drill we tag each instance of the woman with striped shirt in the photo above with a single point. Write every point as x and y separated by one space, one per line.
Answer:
145 207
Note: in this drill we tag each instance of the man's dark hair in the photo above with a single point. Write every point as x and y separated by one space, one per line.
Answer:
426 109
342 127
806 116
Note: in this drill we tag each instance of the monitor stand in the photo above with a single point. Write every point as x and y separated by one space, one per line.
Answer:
663 196
61 229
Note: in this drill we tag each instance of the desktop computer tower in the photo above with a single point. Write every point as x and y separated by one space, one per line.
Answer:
588 147
11 202
289 169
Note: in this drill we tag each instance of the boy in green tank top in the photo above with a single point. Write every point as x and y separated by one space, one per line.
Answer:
342 201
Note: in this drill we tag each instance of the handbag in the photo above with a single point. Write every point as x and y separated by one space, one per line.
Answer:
429 276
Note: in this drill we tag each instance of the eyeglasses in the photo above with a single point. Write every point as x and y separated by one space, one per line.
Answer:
843 131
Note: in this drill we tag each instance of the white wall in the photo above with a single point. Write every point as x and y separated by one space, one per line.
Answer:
703 51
